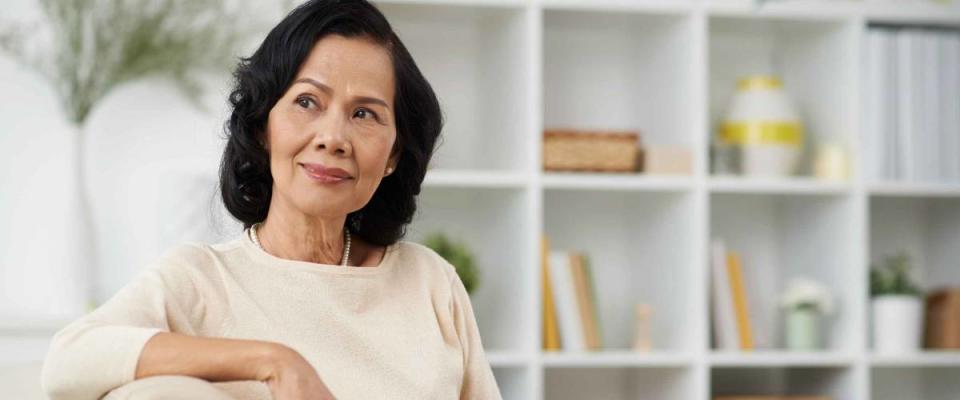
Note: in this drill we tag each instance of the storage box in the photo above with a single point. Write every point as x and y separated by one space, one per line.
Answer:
943 320
667 160
599 151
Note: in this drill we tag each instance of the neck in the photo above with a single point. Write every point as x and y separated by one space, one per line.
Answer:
297 236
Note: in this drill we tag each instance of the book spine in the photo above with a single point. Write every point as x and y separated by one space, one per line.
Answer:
551 333
568 317
738 288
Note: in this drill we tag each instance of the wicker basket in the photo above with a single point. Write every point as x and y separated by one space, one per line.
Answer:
601 151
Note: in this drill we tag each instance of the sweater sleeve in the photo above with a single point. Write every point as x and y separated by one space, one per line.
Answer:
99 351
478 379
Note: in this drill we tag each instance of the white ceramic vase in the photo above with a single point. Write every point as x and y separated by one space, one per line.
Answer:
762 123
897 324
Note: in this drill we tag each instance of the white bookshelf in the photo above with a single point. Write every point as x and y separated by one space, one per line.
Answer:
505 70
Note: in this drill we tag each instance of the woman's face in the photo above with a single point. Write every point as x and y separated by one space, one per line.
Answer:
337 114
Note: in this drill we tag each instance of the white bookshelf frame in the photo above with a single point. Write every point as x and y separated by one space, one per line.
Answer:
509 183
689 370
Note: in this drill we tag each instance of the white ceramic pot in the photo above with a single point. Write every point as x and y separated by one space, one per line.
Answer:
897 323
762 122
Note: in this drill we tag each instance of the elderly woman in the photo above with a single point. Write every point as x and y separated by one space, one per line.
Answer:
332 129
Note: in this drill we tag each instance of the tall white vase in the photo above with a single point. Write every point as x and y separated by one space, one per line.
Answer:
897 324
47 256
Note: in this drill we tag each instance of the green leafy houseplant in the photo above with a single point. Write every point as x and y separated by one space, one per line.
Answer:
892 277
457 254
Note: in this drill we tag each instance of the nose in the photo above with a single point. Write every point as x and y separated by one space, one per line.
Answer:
330 134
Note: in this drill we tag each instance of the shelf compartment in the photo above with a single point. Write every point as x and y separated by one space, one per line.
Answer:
779 237
619 383
927 229
636 246
479 72
620 71
814 58
493 224
835 382
929 383
515 382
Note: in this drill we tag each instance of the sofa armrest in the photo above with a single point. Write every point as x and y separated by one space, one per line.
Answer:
168 387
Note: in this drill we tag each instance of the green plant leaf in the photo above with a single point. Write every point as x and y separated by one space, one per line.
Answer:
457 254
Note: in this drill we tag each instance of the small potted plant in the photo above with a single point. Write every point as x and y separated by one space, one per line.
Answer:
805 303
896 306
458 255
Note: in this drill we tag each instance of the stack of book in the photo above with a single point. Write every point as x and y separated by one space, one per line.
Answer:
570 319
912 98
731 312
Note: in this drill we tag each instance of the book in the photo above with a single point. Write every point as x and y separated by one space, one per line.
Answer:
907 52
580 291
741 307
875 97
551 332
585 301
594 313
724 323
568 315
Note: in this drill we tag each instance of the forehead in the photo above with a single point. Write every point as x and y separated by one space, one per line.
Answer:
351 64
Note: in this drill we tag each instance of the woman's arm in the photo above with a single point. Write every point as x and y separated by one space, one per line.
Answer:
210 359
100 351
478 379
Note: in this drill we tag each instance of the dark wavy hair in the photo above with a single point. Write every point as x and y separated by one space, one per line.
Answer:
246 185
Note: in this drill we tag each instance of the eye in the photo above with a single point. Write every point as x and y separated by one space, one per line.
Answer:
304 101
363 113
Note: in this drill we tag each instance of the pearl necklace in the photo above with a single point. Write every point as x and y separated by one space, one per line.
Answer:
346 247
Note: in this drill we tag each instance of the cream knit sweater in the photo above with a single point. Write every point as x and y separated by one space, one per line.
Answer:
402 330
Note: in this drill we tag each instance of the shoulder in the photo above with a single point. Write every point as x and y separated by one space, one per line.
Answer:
415 255
196 261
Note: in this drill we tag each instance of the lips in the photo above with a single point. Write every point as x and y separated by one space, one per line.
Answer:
325 174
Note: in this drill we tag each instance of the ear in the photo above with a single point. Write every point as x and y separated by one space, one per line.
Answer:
262 138
392 162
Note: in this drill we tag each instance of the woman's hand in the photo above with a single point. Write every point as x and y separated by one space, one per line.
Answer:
290 377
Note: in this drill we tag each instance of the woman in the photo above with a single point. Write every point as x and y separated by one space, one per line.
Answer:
332 129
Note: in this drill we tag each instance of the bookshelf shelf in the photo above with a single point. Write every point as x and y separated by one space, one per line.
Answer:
610 358
888 189
502 359
798 186
921 359
440 178
616 182
781 359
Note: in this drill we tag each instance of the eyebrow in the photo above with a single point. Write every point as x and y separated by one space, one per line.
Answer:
326 89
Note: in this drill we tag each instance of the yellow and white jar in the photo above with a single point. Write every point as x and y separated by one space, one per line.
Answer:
763 124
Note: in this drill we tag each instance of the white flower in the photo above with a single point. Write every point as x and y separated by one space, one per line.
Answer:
803 292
